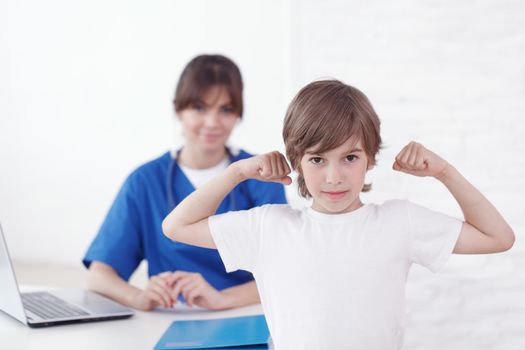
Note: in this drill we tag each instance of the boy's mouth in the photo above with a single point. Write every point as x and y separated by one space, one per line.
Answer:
334 195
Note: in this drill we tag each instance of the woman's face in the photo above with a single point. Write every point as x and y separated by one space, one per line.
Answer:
208 124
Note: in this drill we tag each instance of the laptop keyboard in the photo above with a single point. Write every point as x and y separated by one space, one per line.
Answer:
48 306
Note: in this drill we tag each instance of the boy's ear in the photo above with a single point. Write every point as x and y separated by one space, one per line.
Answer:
297 169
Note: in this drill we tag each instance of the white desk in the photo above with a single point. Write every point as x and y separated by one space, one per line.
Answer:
141 331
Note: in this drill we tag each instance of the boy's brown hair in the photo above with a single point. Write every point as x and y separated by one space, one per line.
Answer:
325 114
204 72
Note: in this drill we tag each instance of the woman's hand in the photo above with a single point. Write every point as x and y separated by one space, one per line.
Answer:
197 291
157 293
416 160
271 167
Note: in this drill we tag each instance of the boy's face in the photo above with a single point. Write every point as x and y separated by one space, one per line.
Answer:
335 178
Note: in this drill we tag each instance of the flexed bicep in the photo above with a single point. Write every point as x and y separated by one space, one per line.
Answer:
473 241
197 234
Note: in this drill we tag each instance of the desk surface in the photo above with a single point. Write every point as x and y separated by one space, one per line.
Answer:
142 331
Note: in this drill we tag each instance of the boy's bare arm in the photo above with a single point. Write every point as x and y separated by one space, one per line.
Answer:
484 229
188 222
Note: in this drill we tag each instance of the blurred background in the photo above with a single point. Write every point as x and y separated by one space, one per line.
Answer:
86 91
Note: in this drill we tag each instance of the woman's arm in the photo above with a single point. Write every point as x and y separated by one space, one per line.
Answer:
197 291
188 222
103 279
484 229
241 295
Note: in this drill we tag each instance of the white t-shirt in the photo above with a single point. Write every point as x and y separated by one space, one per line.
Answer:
334 281
199 177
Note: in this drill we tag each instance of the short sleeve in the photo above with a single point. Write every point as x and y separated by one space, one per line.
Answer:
237 235
118 242
433 234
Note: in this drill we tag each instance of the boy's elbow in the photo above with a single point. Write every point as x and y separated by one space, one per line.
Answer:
508 242
168 230
512 239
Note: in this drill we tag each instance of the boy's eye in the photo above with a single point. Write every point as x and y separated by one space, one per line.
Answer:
316 160
351 158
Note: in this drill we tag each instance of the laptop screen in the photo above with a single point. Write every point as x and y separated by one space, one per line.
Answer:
10 301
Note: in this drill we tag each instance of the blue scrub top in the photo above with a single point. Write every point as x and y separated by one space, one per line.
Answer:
132 229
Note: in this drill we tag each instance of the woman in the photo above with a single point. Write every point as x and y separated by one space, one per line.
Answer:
208 102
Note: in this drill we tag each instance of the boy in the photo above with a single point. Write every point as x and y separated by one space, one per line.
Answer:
333 276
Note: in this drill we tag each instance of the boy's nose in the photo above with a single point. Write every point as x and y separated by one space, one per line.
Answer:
334 175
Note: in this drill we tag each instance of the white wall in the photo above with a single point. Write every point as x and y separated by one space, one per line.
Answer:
85 96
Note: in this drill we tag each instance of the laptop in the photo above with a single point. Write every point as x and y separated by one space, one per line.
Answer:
55 307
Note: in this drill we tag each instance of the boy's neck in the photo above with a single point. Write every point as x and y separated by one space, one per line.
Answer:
356 204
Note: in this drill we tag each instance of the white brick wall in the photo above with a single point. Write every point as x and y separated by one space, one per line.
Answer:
451 75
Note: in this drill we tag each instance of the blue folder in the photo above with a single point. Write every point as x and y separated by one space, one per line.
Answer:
249 332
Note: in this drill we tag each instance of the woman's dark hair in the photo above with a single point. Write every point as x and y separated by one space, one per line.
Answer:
204 72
